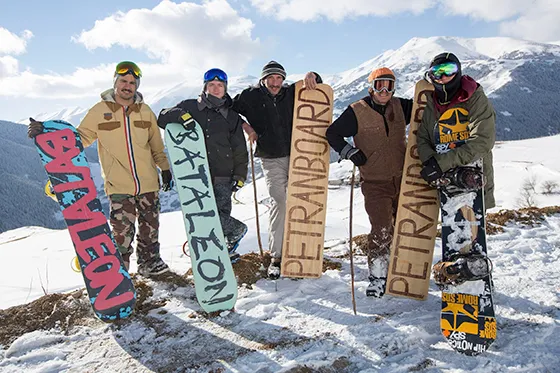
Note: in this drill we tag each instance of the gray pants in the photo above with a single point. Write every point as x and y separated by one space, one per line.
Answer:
233 228
276 172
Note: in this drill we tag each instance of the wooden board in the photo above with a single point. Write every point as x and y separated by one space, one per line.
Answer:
412 249
304 233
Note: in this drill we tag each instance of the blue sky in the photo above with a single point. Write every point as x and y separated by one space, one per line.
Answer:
62 53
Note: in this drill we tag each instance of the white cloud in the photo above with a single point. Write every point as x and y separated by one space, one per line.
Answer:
533 20
187 36
8 66
337 10
11 43
184 39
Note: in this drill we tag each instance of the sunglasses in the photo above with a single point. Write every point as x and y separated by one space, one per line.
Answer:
446 68
383 84
215 74
127 67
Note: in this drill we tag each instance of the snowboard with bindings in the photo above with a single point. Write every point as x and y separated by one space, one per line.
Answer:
464 273
306 202
214 279
414 236
108 284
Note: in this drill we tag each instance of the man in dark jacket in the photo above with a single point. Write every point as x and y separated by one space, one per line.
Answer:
377 123
225 145
268 107
460 97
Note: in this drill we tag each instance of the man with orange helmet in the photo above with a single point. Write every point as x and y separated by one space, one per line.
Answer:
377 123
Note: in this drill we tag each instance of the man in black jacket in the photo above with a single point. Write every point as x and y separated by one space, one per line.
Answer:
225 145
269 107
377 123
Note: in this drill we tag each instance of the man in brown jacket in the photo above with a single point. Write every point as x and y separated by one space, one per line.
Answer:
377 123
130 146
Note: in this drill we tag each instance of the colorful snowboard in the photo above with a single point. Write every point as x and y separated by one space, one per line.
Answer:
412 250
108 284
467 310
214 279
304 229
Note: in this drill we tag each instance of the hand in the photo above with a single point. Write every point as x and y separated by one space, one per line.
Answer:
251 134
236 184
431 172
35 128
354 154
310 81
167 179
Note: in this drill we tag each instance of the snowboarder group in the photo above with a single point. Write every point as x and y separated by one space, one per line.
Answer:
130 147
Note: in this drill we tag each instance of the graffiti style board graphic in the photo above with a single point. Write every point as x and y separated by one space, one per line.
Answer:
214 279
107 281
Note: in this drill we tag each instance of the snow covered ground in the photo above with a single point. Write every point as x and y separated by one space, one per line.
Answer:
291 326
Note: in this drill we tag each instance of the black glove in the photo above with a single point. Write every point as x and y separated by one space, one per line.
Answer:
354 154
167 179
236 184
35 128
187 121
431 171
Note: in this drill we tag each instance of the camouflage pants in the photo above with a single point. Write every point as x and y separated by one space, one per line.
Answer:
381 202
125 209
233 228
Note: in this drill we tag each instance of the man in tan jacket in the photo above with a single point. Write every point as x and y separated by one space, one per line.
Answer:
130 146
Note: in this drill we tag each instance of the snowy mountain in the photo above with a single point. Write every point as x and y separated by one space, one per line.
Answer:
521 77
291 326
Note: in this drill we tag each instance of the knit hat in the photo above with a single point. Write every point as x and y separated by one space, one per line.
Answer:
382 72
273 67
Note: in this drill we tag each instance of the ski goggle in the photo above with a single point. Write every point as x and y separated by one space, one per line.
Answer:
383 84
126 67
446 68
215 74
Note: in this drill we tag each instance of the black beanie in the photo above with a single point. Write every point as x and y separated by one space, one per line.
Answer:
273 67
446 92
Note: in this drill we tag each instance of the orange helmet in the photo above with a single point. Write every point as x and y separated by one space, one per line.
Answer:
381 72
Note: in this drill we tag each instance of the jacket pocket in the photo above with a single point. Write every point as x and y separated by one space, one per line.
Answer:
142 124
109 126
140 131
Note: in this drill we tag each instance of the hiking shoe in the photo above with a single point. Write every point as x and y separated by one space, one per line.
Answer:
153 268
234 257
234 239
274 270
470 267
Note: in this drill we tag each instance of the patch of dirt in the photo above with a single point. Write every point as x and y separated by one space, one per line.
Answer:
61 311
528 216
251 267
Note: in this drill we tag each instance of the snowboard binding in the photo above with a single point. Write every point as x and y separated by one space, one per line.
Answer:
461 180
462 268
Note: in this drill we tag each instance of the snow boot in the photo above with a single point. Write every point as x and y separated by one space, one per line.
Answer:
274 269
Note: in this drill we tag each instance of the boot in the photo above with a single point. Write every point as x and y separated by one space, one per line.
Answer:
463 268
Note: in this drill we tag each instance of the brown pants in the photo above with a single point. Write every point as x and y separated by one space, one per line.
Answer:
381 201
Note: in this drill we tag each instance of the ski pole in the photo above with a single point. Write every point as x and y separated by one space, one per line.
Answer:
350 242
255 198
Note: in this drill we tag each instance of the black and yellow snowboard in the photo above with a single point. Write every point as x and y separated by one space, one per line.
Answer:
467 310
